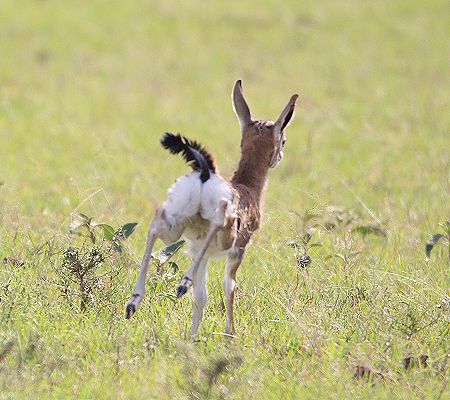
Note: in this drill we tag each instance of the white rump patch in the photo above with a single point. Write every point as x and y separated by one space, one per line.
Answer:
188 197
183 200
214 190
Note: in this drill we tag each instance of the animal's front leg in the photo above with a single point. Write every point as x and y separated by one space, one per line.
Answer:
229 285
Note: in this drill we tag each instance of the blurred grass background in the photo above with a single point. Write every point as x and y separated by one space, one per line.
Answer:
86 91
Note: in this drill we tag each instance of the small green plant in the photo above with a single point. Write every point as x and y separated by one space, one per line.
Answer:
79 271
82 223
307 236
86 270
161 281
317 221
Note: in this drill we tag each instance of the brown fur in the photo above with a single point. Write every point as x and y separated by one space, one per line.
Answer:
250 179
261 148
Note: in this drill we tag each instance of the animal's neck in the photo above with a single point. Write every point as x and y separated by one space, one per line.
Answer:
252 172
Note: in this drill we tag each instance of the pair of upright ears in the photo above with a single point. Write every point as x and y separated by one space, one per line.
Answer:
242 110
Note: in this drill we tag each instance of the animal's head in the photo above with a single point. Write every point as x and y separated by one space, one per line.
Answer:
267 138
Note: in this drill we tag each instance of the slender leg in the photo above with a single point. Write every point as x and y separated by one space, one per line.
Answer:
229 284
217 222
200 295
158 227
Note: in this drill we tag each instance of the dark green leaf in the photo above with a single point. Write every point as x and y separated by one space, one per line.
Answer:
432 241
128 229
165 254
174 266
122 233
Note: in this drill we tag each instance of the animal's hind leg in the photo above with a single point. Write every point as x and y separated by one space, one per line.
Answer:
200 295
229 285
218 221
158 228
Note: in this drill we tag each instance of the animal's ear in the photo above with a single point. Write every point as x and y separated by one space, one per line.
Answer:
286 116
240 106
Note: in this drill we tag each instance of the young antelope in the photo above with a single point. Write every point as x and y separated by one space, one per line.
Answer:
216 216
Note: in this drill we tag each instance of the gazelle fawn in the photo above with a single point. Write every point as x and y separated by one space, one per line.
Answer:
216 216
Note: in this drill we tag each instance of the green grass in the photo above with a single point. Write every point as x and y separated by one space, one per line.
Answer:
87 89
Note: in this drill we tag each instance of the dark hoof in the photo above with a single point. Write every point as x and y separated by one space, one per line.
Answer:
131 309
181 290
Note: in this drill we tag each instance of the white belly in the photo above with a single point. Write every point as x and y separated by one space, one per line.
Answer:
195 235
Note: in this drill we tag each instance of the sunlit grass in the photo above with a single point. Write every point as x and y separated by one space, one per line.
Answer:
86 91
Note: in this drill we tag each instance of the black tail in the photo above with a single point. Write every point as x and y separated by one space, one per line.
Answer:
194 153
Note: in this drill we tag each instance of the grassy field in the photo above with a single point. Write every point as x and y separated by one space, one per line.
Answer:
86 91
